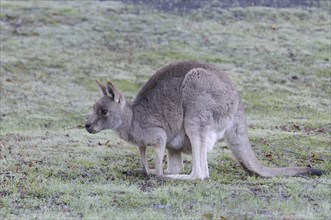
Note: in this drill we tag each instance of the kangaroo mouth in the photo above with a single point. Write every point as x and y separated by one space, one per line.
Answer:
90 129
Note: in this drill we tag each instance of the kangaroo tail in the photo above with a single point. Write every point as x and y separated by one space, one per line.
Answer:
237 138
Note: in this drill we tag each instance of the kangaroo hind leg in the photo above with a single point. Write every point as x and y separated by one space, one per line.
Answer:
207 143
201 142
195 142
175 163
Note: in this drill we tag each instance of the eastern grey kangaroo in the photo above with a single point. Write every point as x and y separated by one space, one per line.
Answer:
184 107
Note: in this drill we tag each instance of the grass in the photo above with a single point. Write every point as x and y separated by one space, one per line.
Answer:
51 54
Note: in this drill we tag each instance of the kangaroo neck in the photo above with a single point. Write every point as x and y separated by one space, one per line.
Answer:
129 130
125 129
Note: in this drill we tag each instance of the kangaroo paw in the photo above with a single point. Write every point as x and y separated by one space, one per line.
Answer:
177 177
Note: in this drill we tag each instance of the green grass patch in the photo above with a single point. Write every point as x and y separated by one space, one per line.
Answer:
51 54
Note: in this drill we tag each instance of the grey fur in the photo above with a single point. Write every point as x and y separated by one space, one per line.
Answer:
184 107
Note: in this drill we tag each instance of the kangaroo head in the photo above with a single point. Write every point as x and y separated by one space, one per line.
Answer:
107 111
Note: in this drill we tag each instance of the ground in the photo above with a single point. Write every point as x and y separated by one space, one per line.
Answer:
53 51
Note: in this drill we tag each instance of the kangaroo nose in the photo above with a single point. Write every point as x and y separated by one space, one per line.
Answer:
88 126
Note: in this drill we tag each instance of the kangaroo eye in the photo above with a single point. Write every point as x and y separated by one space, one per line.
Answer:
104 111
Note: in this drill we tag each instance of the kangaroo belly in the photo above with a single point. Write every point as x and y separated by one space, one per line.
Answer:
180 143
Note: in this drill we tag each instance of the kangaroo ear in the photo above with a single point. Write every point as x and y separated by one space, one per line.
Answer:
113 92
102 87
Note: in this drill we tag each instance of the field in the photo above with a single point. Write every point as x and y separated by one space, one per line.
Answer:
53 51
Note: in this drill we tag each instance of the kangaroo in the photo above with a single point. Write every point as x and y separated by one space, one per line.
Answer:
184 107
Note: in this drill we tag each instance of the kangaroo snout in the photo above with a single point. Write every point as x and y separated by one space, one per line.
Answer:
90 128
